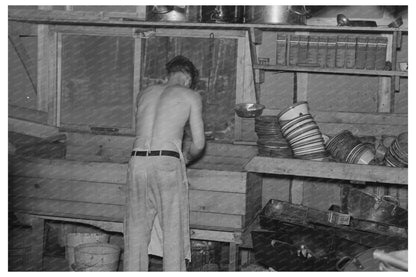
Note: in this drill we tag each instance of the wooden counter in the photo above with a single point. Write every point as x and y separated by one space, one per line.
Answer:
222 203
330 170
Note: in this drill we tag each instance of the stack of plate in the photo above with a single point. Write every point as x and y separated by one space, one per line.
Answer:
397 154
270 139
363 153
302 133
347 148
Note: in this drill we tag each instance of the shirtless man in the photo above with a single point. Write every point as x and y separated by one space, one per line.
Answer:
157 210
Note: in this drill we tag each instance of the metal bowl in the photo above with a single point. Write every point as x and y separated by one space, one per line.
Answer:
249 110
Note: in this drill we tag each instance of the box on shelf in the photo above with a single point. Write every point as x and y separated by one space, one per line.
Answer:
293 50
312 57
350 52
381 52
341 51
371 53
322 48
331 51
303 49
361 56
281 51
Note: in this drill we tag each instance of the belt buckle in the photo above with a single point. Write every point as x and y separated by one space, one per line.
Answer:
148 153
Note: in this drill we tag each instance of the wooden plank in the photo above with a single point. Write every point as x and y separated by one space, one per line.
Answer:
217 202
141 12
94 158
253 196
331 70
104 225
47 70
116 173
137 75
25 59
57 16
64 208
202 33
58 78
367 173
213 180
211 235
70 170
330 21
94 30
250 94
252 48
43 67
69 190
215 236
302 87
361 124
384 95
220 163
86 139
296 191
352 117
362 129
216 220
124 142
240 84
233 257
208 162
107 153
320 194
31 128
28 114
37 244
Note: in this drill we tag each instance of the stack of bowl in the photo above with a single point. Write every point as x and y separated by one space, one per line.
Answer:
270 140
302 133
347 148
397 154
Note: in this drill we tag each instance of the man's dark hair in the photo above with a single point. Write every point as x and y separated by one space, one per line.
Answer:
183 64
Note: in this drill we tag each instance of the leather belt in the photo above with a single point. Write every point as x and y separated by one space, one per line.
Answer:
156 153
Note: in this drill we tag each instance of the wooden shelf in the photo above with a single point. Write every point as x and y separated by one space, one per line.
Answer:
330 170
330 70
96 18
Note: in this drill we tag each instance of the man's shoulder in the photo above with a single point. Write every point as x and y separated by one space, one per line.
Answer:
187 92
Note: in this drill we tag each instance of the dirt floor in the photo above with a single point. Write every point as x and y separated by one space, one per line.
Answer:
54 254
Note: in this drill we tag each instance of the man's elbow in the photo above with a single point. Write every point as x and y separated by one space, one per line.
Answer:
199 145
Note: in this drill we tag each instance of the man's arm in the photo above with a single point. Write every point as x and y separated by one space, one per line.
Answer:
197 129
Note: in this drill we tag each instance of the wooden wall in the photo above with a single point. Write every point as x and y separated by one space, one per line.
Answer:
326 94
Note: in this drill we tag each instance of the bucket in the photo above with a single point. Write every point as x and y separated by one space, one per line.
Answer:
75 239
97 257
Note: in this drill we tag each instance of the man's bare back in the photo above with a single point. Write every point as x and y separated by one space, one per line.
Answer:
162 112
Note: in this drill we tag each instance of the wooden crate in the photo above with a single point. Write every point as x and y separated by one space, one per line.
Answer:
219 200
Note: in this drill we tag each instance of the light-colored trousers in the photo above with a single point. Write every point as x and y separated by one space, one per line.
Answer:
157 213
